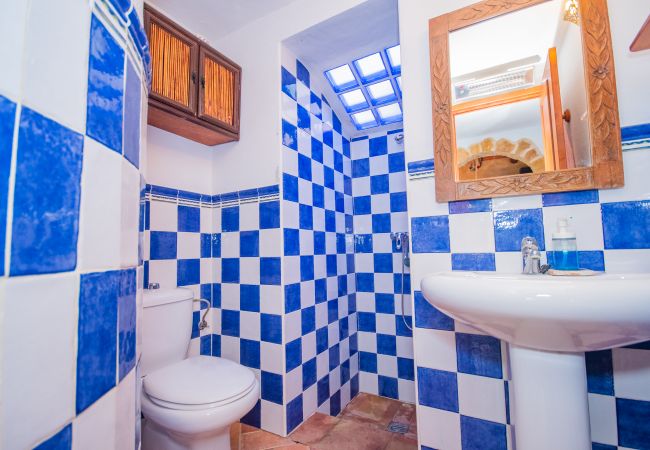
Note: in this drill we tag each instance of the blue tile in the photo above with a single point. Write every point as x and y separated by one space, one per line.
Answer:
354 386
289 135
271 387
289 84
510 227
593 260
396 162
470 206
189 219
331 265
60 441
570 198
270 215
205 347
626 225
321 340
334 357
249 243
338 162
308 320
163 245
367 321
254 416
365 282
305 217
132 107
206 245
249 297
600 372
330 221
293 351
479 355
249 353
289 187
597 446
385 303
336 123
361 168
294 413
7 119
318 196
332 310
399 280
230 270
405 368
316 150
363 243
427 316
386 344
383 262
96 336
196 317
398 202
328 177
316 106
271 328
319 243
345 371
188 272
304 121
216 295
430 234
308 374
328 137
362 205
437 389
422 166
105 88
230 219
216 345
379 184
344 328
320 290
291 242
216 245
323 389
479 434
381 223
270 271
126 317
473 261
367 362
401 323
302 73
230 323
387 387
635 132
46 197
378 146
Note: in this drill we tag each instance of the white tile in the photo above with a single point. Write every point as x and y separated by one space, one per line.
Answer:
360 149
163 216
130 215
273 418
188 245
250 325
100 210
230 245
293 384
230 296
404 345
206 220
378 165
387 365
471 233
508 262
322 364
249 216
96 427
310 401
368 382
308 346
361 186
292 326
12 38
380 203
602 415
636 165
271 242
406 389
423 264
335 381
482 397
520 202
56 60
163 272
435 349
631 373
438 428
584 220
627 261
38 387
289 161
230 348
304 142
290 214
422 198
303 94
386 324
289 109
271 357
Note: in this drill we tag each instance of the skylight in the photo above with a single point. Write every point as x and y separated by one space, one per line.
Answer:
370 88
364 119
394 59
341 78
370 68
354 100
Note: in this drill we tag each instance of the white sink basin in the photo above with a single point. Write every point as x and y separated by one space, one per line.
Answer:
549 323
566 314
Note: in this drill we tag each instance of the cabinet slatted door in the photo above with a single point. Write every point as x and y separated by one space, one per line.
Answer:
219 90
174 60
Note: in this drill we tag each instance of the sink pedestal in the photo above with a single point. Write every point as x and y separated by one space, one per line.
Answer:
551 409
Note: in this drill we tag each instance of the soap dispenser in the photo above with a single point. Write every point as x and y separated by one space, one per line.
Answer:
565 247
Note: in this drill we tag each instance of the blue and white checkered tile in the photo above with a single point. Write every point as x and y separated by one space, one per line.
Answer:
385 343
318 255
461 400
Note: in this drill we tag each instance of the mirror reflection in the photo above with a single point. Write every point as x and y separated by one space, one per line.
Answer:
519 101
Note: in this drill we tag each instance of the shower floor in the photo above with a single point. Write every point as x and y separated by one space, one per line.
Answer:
368 422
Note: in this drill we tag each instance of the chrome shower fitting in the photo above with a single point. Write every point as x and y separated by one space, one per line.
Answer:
203 324
399 138
401 240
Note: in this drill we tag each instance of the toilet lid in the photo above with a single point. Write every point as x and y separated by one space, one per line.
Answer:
200 380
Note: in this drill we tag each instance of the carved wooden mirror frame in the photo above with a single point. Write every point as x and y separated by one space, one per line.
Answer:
606 170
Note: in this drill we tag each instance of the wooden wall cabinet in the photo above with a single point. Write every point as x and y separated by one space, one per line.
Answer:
195 90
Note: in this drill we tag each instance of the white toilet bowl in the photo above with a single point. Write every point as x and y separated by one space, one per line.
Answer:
191 404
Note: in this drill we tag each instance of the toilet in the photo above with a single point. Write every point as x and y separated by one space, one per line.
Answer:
187 403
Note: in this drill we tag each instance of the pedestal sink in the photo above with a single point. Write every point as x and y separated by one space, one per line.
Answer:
549 323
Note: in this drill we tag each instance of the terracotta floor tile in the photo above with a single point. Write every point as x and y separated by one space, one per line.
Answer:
293 447
235 431
354 435
373 409
248 429
401 442
314 429
405 413
262 440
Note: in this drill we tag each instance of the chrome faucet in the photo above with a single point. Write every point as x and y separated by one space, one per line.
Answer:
531 256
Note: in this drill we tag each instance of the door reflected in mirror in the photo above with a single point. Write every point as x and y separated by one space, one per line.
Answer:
519 99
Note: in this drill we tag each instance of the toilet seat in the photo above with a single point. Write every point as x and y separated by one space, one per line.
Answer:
199 383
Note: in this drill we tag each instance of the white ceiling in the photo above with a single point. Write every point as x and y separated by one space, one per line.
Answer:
214 19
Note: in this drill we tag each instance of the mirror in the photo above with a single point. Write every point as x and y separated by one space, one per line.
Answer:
520 91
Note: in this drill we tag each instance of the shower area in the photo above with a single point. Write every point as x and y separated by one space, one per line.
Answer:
347 325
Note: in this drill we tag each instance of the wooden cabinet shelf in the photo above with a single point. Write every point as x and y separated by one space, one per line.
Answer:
195 90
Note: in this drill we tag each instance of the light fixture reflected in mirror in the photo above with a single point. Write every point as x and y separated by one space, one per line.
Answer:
571 13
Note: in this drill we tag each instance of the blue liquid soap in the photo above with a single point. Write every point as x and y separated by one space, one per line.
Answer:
565 248
564 260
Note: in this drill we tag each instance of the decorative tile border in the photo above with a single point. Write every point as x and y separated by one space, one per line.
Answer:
634 138
170 195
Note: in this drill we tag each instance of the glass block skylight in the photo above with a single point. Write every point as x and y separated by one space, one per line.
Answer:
370 88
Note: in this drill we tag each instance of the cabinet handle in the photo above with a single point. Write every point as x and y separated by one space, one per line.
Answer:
193 77
202 82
